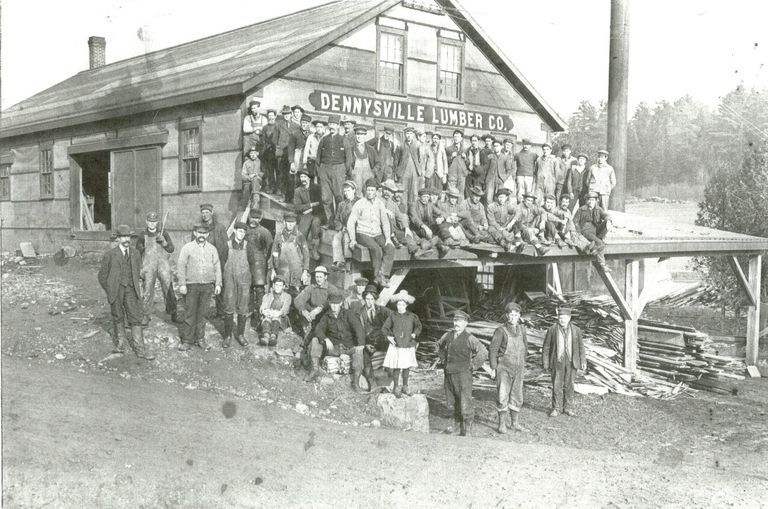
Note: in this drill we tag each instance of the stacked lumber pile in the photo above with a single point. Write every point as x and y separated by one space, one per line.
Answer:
679 295
340 365
673 359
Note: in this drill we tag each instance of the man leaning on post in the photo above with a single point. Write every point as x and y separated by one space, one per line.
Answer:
563 354
199 274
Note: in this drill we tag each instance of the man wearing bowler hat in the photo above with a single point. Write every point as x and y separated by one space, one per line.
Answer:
306 203
563 354
331 159
509 348
199 274
120 277
458 349
155 246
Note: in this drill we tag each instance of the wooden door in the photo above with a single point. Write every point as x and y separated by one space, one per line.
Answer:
135 185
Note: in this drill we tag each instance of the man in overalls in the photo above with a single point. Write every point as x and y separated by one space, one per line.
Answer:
407 171
290 255
155 249
362 161
259 242
237 286
509 348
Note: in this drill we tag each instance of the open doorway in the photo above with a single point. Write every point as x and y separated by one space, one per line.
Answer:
96 198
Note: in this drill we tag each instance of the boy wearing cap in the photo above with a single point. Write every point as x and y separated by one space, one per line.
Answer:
340 239
306 202
593 222
237 286
602 178
119 276
331 159
436 165
545 173
155 247
563 354
362 161
274 312
313 299
457 164
259 245
253 124
576 184
500 213
457 350
290 254
509 348
525 162
368 225
337 332
199 274
355 300
250 177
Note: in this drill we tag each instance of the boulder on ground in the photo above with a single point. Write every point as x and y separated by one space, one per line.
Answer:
410 413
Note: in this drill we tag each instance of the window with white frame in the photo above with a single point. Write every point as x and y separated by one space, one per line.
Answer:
391 56
450 67
190 154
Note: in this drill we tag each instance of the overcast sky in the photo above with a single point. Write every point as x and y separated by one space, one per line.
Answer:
704 48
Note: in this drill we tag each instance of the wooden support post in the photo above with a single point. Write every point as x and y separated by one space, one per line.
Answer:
553 279
395 280
631 283
618 94
741 279
613 289
753 313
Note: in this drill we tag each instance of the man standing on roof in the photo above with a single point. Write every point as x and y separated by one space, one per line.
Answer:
525 161
499 170
362 161
349 132
332 158
546 168
563 354
368 225
386 151
436 164
297 161
603 178
576 184
566 161
155 248
407 171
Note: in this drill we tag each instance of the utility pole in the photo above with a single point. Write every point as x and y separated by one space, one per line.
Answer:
618 84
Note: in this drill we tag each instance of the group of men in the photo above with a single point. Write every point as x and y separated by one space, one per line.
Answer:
436 196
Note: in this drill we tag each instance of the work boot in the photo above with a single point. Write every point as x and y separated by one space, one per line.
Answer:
255 321
396 242
442 249
239 333
560 243
175 317
466 427
228 326
418 253
502 422
407 390
138 343
145 321
515 418
117 340
314 371
368 374
355 382
554 413
569 412
541 250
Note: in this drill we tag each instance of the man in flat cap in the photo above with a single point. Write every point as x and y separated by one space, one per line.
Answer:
349 125
287 131
457 350
258 249
362 160
267 155
155 246
563 354
337 332
253 125
410 166
509 348
372 316
120 277
528 222
218 238
298 145
355 301
309 157
576 184
456 164
422 214
313 299
341 238
306 203
386 153
290 255
545 173
332 159
368 225
500 213
436 165
593 223
602 178
399 222
475 223
250 177
525 162
473 162
566 160
499 169
237 286
199 274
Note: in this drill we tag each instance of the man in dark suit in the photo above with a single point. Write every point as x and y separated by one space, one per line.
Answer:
563 354
120 277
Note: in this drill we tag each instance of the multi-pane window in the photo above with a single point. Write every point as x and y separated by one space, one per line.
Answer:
391 70
5 182
450 64
46 173
190 159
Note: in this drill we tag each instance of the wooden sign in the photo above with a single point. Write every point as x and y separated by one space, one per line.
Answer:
402 111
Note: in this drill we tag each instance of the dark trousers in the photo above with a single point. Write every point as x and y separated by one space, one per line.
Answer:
382 254
563 374
458 394
596 236
126 306
330 177
196 303
269 165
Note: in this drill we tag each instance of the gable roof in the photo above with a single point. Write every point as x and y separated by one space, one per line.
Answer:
231 63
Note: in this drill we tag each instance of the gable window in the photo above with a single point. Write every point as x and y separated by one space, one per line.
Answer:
5 182
191 160
450 66
391 56
46 174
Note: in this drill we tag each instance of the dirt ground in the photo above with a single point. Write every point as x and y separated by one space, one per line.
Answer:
80 431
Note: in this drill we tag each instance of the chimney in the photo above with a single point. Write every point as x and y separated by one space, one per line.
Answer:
97 51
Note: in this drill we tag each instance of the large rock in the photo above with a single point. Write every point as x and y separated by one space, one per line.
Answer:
410 413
